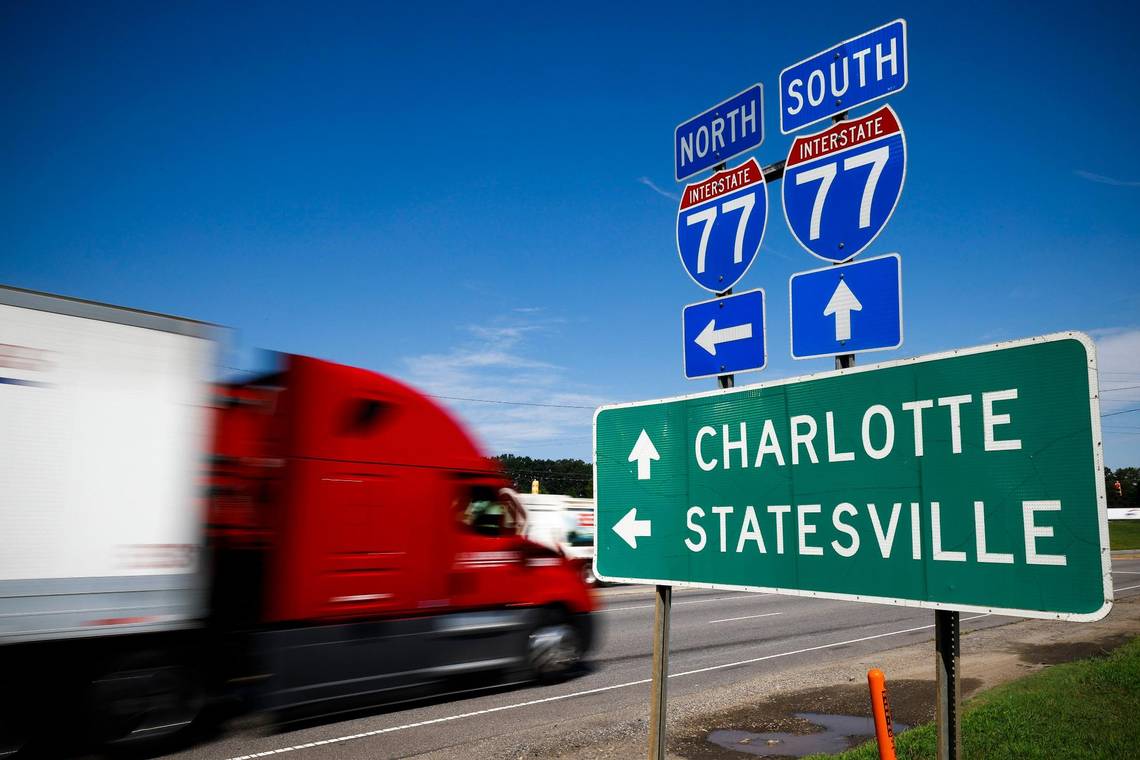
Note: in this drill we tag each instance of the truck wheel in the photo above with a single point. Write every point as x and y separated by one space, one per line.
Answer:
143 702
554 648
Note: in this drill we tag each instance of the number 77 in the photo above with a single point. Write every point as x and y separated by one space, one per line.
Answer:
877 158
707 216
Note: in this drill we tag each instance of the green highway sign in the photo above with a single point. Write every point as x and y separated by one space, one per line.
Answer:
969 480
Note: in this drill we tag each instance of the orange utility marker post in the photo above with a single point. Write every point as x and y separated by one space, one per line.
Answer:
881 709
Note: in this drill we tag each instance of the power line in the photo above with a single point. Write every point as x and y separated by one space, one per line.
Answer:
512 403
464 398
580 406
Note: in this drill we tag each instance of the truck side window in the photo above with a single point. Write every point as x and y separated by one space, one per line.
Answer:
487 514
364 414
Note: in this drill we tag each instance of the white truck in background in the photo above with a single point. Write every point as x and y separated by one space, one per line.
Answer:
563 523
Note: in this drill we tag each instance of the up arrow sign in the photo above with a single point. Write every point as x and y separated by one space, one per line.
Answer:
630 528
842 303
710 337
643 452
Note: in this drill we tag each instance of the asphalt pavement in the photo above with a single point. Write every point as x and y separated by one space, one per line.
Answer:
716 638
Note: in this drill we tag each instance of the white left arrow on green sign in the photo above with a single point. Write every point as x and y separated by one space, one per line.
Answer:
630 528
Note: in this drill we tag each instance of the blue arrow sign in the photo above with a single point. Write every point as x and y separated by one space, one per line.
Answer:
856 71
847 309
724 335
720 225
842 185
726 130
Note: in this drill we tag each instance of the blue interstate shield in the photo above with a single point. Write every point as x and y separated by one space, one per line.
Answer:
720 225
842 185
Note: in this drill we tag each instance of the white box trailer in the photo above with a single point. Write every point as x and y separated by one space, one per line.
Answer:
105 426
563 523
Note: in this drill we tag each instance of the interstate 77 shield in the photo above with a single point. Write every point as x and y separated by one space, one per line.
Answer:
720 225
842 185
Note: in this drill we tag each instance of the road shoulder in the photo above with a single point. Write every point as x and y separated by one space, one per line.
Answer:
763 702
990 657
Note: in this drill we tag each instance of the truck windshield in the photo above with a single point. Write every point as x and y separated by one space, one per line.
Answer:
488 514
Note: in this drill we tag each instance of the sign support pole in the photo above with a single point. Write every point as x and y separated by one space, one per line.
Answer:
661 611
947 648
659 687
842 361
724 381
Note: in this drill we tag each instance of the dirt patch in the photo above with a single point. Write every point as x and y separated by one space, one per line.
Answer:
1067 651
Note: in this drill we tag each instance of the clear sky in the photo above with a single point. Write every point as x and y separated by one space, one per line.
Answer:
479 198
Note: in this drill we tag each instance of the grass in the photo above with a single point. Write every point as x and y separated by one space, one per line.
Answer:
1124 534
1084 709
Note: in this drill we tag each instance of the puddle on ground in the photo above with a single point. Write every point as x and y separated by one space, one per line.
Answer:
835 737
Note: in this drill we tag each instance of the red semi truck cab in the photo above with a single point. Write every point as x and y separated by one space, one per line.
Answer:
354 543
351 516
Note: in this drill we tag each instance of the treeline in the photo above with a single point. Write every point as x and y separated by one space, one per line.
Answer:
572 477
1122 486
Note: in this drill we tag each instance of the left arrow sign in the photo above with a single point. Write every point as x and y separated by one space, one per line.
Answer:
630 528
724 335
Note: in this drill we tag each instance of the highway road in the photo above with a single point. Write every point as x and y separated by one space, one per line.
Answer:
717 638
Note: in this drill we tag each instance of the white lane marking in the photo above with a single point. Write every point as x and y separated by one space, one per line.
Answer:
1127 588
1127 572
445 719
812 649
746 617
560 697
615 591
677 604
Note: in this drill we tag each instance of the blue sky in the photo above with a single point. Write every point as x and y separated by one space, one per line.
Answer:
479 198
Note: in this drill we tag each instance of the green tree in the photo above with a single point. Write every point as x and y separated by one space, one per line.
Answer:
572 477
1129 493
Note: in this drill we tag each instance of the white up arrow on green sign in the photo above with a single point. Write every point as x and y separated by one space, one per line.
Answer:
969 480
643 453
